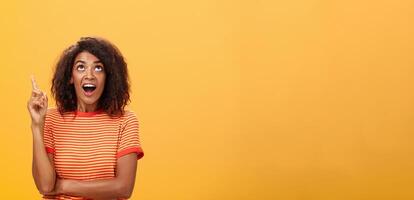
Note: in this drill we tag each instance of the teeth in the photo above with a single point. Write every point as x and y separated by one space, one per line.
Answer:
88 85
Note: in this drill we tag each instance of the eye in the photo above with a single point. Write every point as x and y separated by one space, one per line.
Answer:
98 68
80 68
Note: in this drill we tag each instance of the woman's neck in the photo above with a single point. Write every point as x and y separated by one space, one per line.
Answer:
86 108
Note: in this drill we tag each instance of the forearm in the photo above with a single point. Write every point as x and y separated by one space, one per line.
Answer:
120 186
96 189
42 169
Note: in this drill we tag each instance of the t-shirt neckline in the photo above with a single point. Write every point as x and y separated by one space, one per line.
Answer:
87 114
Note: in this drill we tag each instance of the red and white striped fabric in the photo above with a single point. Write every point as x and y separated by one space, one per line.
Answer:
86 145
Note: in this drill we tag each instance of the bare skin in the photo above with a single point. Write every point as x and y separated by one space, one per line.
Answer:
43 170
88 69
42 166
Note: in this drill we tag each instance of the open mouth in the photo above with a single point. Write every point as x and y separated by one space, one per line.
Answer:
89 88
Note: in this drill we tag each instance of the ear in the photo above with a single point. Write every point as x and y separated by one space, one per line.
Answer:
71 80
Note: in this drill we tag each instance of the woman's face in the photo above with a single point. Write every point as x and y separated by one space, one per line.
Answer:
88 77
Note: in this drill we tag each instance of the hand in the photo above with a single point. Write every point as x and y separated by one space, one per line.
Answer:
37 105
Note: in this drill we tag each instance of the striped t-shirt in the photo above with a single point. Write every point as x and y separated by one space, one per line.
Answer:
86 145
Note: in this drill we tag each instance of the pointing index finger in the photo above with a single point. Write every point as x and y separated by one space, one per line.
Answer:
34 85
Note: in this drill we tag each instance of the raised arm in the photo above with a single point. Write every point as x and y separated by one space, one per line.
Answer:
42 165
119 187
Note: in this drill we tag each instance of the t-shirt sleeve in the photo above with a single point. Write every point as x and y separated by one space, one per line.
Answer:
47 134
129 141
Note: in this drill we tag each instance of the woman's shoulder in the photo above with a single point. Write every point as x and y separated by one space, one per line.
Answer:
128 117
129 114
52 114
52 111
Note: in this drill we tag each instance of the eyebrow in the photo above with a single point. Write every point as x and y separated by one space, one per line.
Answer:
81 61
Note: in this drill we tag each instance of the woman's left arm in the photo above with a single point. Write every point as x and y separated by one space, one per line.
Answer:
119 187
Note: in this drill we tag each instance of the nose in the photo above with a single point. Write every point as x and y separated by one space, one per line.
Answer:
89 73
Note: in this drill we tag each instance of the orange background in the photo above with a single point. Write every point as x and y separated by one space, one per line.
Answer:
236 100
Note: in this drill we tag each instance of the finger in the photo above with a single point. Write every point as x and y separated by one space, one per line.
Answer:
45 101
36 93
44 95
34 85
37 100
36 96
39 104
35 104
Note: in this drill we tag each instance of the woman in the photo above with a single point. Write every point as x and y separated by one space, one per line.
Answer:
87 147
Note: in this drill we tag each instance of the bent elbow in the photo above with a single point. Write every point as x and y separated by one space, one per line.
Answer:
126 196
46 188
125 191
44 183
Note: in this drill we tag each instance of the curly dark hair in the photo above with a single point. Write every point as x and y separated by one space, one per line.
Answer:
115 95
